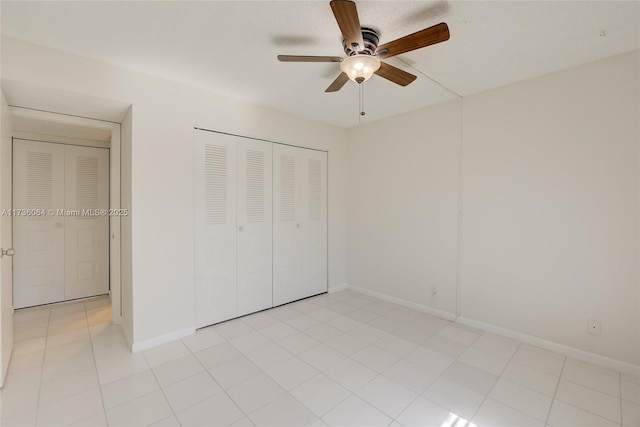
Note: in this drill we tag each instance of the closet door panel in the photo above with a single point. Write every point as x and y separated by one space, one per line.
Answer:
300 223
87 231
287 235
38 170
254 237
314 236
215 228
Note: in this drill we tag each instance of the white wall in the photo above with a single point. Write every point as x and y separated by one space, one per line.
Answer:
162 169
551 196
403 204
550 201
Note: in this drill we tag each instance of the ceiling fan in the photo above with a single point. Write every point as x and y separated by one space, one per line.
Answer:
362 50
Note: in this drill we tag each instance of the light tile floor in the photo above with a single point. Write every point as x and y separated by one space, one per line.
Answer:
342 359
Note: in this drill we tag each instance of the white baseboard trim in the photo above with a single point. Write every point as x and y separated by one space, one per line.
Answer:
153 342
127 338
338 288
575 353
420 307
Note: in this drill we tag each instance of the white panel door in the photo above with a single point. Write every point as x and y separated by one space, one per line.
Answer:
215 228
287 236
314 222
38 174
6 241
299 223
87 228
254 216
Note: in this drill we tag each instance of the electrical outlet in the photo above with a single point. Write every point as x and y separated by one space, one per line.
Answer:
593 326
434 292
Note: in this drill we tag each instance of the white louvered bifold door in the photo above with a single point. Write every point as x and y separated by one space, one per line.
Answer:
287 236
315 222
38 179
215 228
87 229
299 223
254 200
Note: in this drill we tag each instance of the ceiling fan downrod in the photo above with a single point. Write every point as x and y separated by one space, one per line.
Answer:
370 37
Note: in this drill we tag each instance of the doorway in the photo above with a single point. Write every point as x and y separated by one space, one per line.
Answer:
79 139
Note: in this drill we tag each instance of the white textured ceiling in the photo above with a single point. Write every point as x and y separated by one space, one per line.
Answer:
230 47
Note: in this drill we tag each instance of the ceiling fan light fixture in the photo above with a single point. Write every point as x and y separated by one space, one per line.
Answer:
360 67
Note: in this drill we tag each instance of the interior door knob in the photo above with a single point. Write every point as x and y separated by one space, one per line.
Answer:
241 229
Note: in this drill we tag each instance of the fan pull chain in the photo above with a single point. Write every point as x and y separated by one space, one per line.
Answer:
361 104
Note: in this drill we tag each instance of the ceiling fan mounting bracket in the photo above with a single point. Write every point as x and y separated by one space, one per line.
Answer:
370 38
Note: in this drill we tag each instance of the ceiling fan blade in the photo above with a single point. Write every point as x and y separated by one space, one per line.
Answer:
347 16
395 74
338 83
428 36
302 58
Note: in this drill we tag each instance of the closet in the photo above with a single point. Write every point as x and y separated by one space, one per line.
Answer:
260 225
61 222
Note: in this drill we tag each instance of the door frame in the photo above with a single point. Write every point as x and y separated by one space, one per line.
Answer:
114 190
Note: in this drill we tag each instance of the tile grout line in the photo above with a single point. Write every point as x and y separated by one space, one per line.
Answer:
216 381
45 338
95 365
375 344
595 389
303 332
161 388
402 358
94 368
555 392
320 372
380 374
44 353
372 343
620 400
582 409
486 396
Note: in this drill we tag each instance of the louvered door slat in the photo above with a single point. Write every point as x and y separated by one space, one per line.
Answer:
255 193
39 179
315 190
254 263
287 178
216 184
214 228
87 182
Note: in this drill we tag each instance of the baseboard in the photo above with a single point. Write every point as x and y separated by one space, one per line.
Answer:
127 338
410 304
575 353
338 288
153 342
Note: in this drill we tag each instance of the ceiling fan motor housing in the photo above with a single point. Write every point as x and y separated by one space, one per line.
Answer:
370 38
